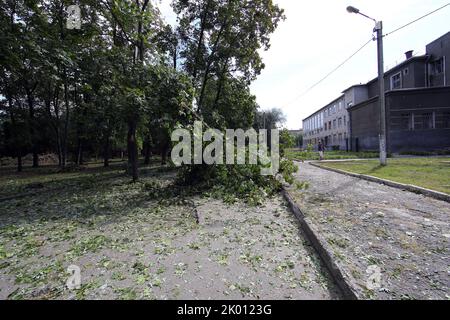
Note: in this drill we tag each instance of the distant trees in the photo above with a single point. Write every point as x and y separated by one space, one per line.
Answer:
125 78
269 119
87 90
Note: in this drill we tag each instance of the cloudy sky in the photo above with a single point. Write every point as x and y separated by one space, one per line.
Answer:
318 35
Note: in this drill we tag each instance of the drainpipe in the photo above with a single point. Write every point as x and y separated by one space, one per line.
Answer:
427 71
350 142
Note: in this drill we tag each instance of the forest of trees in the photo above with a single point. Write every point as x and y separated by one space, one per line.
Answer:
125 79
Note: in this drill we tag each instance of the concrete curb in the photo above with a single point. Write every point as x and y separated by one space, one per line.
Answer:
338 276
415 189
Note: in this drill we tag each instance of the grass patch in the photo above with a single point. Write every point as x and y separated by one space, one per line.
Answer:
430 173
298 155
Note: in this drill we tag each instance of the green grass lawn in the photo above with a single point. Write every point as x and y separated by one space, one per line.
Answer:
298 155
430 173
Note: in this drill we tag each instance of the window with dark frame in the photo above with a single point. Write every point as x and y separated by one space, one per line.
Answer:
401 121
442 120
396 81
423 121
438 66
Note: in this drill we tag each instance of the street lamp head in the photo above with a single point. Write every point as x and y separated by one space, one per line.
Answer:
351 9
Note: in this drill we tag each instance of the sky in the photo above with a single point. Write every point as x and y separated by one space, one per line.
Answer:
319 35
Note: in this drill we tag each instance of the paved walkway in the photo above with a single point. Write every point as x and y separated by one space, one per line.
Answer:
367 224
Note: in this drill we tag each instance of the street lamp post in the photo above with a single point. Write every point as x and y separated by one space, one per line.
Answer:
379 30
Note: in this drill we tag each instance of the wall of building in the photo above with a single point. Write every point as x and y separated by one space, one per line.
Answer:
417 120
420 75
333 126
412 73
437 49
313 129
355 95
365 124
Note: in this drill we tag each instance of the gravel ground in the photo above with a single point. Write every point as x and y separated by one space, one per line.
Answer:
368 226
129 245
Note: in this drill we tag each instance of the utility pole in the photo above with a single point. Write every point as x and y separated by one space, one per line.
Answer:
264 120
382 96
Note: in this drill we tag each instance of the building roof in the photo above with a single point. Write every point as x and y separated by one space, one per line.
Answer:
400 65
326 106
439 39
354 86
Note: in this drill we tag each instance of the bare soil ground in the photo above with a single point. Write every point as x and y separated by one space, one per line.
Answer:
367 224
132 242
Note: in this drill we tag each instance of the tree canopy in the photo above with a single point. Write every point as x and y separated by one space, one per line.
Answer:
123 81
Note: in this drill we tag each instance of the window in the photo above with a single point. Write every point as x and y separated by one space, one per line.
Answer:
423 121
340 122
442 120
345 121
396 81
438 66
401 121
340 137
334 124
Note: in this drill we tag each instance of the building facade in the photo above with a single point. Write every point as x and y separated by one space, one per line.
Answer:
417 106
329 125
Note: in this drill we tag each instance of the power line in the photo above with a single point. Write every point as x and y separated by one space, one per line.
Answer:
418 19
362 47
329 74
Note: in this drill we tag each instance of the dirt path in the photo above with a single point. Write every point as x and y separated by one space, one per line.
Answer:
130 246
367 224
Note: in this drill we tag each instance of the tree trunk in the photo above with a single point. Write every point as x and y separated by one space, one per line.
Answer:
132 150
31 123
79 160
200 39
164 151
55 123
209 64
19 162
147 151
221 82
175 55
106 153
147 156
66 122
